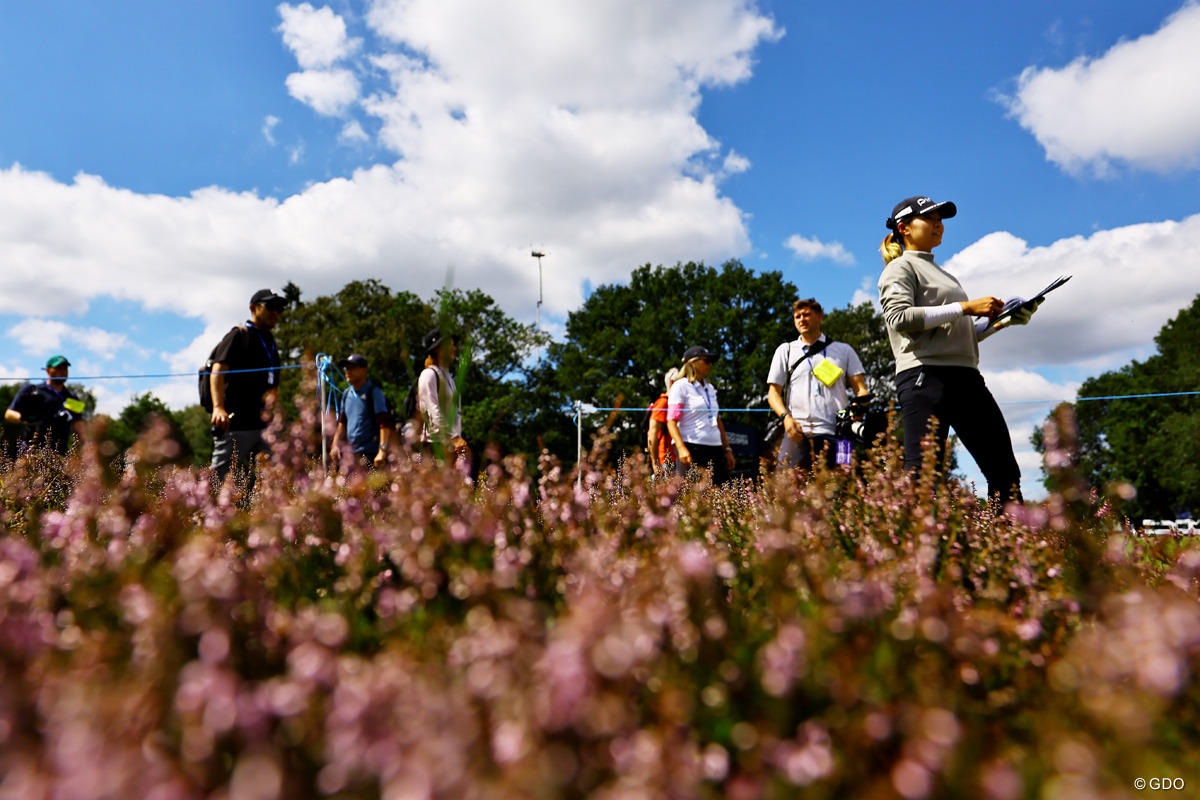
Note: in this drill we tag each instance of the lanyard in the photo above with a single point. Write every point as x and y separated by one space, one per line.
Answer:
703 387
272 352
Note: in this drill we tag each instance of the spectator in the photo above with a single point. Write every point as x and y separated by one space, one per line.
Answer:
658 441
808 385
366 420
244 380
48 412
694 418
440 416
937 349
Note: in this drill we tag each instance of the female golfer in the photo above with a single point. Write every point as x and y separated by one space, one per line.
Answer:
937 350
694 421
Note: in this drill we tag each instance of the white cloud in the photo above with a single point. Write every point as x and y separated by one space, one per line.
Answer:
1127 283
326 91
316 36
353 131
814 249
49 337
268 128
735 163
1139 103
867 292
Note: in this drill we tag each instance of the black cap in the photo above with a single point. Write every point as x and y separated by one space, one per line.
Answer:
353 360
919 207
431 340
699 351
268 298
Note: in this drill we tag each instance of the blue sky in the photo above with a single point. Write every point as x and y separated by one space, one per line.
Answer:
161 161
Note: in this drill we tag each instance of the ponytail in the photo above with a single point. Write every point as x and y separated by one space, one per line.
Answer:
891 247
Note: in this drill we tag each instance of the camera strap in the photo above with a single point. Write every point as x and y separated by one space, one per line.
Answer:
816 348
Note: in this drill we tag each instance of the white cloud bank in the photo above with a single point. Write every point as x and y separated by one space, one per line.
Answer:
1137 104
1127 282
571 125
51 335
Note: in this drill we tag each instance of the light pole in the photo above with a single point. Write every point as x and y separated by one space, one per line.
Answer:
539 256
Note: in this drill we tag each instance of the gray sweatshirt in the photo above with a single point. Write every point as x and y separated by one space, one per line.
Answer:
909 285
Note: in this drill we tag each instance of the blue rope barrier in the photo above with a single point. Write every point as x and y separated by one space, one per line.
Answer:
1003 403
74 378
324 365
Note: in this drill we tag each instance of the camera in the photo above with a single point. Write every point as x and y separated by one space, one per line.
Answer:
861 421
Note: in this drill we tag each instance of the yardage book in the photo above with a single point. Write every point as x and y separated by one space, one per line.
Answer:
1002 320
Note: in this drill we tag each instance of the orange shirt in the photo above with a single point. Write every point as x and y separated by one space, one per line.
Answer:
664 446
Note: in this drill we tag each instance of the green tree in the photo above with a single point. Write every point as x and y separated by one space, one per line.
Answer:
495 380
362 317
195 425
1152 443
366 317
124 430
624 337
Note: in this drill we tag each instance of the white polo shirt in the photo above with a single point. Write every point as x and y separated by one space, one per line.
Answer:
694 407
813 404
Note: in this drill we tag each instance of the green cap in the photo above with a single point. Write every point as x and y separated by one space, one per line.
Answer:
58 361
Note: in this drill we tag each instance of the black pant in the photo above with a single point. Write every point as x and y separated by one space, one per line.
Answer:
707 455
959 399
800 454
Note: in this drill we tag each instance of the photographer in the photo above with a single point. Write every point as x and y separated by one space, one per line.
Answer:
48 412
809 384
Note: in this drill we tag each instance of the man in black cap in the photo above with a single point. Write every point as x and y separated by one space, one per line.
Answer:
48 412
245 376
366 421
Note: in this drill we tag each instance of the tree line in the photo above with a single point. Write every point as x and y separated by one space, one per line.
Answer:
521 387
1149 443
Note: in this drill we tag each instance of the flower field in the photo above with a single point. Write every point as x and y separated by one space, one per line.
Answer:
409 634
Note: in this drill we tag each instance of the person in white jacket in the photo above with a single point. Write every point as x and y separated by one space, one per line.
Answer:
440 414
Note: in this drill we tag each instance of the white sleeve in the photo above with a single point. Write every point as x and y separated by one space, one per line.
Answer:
940 315
779 365
853 363
429 402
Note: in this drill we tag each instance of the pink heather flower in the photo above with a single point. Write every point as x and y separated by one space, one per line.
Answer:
912 779
1029 629
694 560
